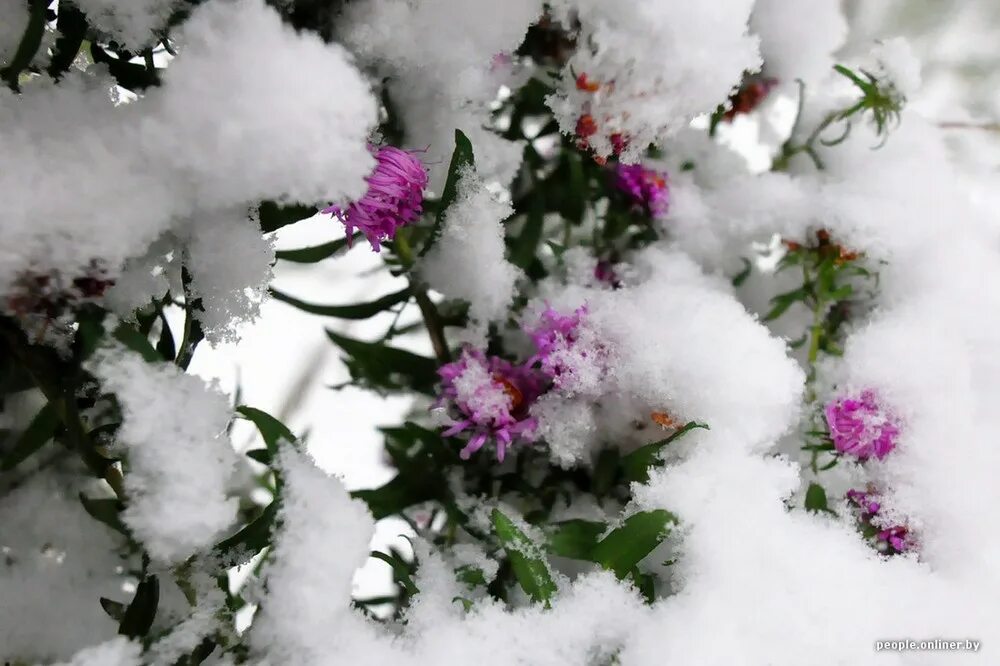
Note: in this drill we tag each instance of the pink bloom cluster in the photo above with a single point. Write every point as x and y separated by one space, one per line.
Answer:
892 539
645 188
861 426
394 198
490 398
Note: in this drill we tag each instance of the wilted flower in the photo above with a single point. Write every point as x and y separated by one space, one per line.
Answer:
861 426
645 188
394 198
490 398
749 97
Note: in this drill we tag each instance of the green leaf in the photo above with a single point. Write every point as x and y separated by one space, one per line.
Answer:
114 609
165 345
635 465
402 491
379 366
784 301
42 428
311 255
254 537
274 216
461 158
401 571
531 570
623 549
137 342
605 471
28 46
742 276
471 576
262 456
816 498
72 27
271 429
523 249
107 511
355 311
575 539
139 616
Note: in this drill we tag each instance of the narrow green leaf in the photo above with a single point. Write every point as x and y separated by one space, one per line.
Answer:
262 456
379 366
107 511
784 301
271 429
165 345
114 609
41 429
137 342
354 311
30 41
254 537
461 158
523 249
623 548
531 570
274 216
575 539
400 571
742 276
404 490
139 615
635 465
311 255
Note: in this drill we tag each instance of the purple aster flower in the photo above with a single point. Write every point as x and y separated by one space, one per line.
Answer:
645 188
895 538
861 426
866 501
394 198
567 350
489 398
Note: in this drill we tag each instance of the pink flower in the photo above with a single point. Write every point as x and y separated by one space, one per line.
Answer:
490 398
895 538
861 426
866 501
567 350
645 188
394 198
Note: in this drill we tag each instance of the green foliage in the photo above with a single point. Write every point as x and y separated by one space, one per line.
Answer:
274 216
461 159
624 547
531 570
42 428
635 466
316 253
355 311
384 368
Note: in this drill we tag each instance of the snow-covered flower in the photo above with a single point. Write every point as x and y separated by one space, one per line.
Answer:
490 398
394 198
861 426
865 500
895 539
567 350
645 188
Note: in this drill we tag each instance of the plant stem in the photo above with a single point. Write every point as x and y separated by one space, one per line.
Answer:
432 318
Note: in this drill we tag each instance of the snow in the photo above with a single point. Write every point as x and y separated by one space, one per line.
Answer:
796 49
469 262
131 23
174 428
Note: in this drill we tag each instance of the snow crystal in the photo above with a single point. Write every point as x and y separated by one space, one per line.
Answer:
437 90
129 22
194 143
323 539
55 563
796 49
118 651
650 67
232 290
174 428
468 261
